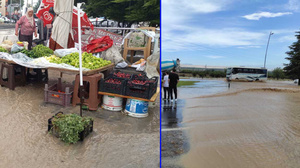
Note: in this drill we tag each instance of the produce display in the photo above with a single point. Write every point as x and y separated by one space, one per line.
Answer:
69 126
141 82
39 51
122 75
29 53
88 60
113 81
3 49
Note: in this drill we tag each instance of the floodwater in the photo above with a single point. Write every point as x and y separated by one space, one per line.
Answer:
117 140
250 124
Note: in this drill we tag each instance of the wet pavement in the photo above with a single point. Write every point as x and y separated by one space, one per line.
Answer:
173 139
250 124
117 140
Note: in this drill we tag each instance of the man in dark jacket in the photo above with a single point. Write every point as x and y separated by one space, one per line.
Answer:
174 78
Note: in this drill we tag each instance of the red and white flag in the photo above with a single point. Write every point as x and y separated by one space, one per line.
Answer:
45 15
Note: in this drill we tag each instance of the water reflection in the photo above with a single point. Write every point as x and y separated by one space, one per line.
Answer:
172 113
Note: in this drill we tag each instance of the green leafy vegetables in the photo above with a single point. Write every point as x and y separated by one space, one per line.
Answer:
69 126
40 51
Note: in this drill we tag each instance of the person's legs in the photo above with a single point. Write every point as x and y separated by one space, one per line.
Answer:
171 92
29 40
165 92
168 93
175 92
26 38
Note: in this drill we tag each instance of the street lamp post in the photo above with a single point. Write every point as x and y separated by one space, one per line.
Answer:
271 33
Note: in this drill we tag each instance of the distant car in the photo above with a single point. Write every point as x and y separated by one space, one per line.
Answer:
108 23
5 19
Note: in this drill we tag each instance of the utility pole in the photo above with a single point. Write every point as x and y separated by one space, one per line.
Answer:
271 33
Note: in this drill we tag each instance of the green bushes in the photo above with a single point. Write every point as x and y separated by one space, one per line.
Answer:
206 73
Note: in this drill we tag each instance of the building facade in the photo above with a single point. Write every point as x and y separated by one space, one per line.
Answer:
3 4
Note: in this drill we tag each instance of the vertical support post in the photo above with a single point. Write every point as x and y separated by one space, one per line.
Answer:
81 88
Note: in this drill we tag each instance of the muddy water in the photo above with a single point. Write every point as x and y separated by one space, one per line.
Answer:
250 125
117 140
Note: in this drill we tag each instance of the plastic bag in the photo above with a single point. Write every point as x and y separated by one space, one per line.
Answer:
112 54
122 65
16 48
152 65
64 52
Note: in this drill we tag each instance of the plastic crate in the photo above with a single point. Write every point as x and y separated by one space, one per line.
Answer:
145 91
59 93
87 130
112 88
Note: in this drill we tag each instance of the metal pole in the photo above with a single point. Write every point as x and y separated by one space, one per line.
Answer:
81 88
267 48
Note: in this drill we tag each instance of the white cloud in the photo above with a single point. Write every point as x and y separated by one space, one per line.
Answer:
194 38
250 46
257 16
214 56
293 5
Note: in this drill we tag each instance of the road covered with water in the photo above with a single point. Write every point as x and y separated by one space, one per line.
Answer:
117 140
250 124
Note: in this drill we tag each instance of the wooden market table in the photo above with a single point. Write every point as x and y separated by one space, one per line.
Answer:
153 98
69 71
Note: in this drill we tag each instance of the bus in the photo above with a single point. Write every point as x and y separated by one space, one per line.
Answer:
246 73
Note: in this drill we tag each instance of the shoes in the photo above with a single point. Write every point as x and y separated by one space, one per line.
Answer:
171 100
175 100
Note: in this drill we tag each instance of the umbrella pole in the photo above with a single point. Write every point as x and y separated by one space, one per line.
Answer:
81 88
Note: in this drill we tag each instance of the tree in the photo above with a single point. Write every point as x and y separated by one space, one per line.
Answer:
129 11
36 7
278 73
293 68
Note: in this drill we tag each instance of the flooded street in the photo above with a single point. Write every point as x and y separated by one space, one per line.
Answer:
117 140
249 125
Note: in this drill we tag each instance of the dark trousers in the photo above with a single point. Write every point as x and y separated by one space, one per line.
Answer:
173 89
26 38
166 92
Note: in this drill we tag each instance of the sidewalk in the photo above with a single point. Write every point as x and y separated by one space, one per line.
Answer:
7 30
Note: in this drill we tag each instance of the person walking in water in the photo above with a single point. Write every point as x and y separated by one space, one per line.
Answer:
166 81
174 78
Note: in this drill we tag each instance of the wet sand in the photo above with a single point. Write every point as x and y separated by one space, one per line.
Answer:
117 140
252 124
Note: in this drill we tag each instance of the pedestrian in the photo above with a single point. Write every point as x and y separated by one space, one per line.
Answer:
174 79
166 81
27 28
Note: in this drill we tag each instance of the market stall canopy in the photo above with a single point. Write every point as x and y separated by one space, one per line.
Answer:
62 27
44 14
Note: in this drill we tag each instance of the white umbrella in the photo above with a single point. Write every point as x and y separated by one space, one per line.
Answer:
62 36
62 33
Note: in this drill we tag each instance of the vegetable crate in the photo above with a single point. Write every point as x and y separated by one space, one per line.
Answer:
87 130
142 88
59 93
113 85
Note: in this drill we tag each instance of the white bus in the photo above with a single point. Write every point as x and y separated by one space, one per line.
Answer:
246 73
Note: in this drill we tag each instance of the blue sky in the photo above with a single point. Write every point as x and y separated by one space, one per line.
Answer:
229 32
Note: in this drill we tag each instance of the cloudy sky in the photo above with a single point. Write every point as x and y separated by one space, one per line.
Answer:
229 33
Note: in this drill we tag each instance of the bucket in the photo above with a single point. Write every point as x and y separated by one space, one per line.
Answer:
112 103
136 108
